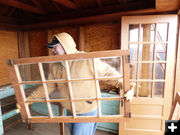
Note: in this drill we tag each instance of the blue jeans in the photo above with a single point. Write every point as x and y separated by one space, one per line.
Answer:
83 128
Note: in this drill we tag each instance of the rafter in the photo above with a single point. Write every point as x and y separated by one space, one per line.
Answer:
58 7
20 5
67 3
38 4
99 3
11 11
46 5
94 11
6 26
7 19
121 1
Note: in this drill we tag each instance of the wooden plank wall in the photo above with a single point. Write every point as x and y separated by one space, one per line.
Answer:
8 50
94 37
100 37
37 41
89 37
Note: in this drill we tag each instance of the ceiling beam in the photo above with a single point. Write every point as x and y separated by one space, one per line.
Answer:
5 26
20 5
86 20
92 12
9 20
67 3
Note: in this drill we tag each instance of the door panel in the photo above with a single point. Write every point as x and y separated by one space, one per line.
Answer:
152 42
139 109
144 124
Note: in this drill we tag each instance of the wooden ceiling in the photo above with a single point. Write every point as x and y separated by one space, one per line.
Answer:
33 11
29 12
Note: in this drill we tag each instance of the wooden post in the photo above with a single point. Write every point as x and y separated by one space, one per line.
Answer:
61 125
23 44
81 39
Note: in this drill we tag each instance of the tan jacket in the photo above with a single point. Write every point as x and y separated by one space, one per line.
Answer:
78 69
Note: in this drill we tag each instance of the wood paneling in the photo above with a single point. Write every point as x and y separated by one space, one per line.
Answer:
144 124
167 5
101 37
37 42
9 50
37 47
137 109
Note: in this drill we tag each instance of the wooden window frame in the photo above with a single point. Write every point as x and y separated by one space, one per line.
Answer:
21 99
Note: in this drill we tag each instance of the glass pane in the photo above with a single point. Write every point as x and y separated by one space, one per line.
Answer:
109 90
145 71
147 32
34 91
109 67
133 52
39 109
58 90
85 107
80 68
29 72
110 107
133 70
161 52
146 52
54 70
133 32
84 89
162 31
114 127
159 89
144 89
58 109
160 71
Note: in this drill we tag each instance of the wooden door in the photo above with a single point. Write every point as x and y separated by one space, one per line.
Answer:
152 43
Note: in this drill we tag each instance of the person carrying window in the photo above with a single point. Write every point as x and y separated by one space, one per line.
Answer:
63 44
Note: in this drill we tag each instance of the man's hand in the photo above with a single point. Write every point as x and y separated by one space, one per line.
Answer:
129 95
18 107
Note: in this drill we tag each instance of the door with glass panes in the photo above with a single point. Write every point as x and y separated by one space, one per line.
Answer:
152 43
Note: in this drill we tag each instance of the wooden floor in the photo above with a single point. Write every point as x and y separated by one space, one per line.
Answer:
42 129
